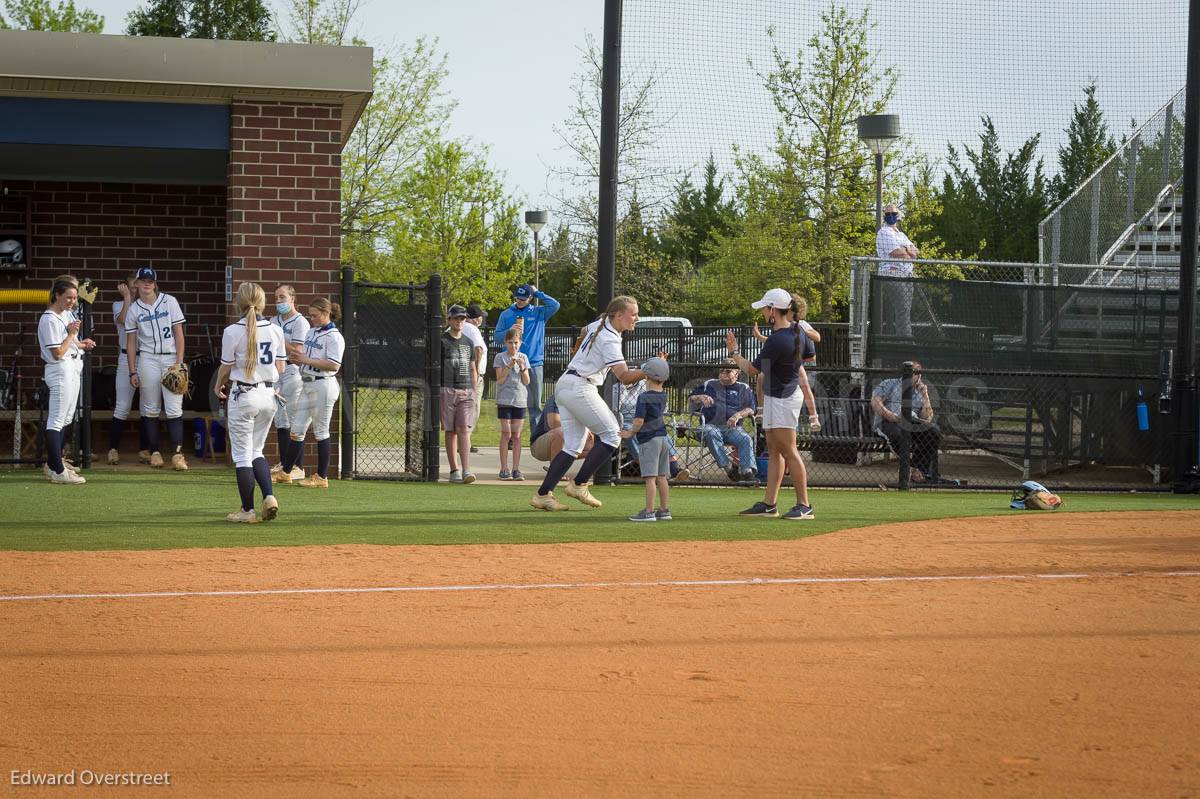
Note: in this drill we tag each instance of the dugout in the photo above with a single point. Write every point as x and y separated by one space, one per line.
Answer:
216 161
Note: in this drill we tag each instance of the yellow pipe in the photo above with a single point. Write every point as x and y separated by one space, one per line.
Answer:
23 297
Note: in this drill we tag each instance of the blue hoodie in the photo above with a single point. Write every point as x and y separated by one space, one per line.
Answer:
533 342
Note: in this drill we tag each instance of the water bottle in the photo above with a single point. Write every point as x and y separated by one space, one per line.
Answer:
1143 413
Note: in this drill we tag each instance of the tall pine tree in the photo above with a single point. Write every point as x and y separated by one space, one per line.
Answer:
240 20
1089 144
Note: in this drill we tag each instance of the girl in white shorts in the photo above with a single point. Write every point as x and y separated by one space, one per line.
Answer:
577 394
319 359
253 354
779 366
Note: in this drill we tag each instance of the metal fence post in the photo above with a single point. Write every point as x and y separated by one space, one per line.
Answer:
1094 234
349 373
84 429
906 422
433 376
1131 182
1166 154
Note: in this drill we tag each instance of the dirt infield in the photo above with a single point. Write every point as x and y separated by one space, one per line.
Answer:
1012 686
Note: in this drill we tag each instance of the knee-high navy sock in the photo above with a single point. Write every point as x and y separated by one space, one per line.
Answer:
299 456
600 452
114 433
143 441
245 478
324 451
290 455
54 445
555 471
262 476
175 433
285 441
150 428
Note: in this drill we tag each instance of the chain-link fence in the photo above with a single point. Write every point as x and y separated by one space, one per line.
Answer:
392 379
968 429
1118 214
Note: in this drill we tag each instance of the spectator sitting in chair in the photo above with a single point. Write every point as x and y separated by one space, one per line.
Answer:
925 436
724 403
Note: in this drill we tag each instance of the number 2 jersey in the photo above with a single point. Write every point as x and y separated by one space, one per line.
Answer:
269 348
154 324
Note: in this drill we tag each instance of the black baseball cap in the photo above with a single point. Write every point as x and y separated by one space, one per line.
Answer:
474 311
456 311
523 292
146 273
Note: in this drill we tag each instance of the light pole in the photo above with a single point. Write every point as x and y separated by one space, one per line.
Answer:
878 132
536 220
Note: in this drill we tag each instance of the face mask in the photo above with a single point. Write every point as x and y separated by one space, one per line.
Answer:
891 219
284 308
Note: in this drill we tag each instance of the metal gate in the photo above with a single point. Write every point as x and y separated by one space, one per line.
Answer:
392 377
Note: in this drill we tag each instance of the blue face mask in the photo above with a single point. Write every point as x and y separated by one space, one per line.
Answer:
891 218
283 308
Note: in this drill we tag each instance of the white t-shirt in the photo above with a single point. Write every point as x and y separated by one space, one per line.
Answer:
323 344
270 348
475 336
600 350
52 332
154 324
888 240
295 330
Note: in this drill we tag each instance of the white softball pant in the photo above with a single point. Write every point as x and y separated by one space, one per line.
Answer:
155 398
250 413
292 390
581 410
315 408
125 389
63 379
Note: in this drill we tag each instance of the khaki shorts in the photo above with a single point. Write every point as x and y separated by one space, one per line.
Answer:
540 449
458 408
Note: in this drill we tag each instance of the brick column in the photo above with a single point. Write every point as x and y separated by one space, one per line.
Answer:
284 201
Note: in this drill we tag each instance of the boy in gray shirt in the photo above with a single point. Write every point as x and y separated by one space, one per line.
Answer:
512 394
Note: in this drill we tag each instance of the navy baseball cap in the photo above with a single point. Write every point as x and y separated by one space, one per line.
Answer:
456 311
146 273
474 311
523 292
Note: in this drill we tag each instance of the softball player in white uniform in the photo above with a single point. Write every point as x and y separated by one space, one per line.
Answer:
319 361
253 354
125 389
154 343
62 351
295 329
580 407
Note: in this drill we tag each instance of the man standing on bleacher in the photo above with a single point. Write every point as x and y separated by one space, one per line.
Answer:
724 403
892 244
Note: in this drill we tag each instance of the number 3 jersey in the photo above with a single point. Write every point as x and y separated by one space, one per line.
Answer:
154 323
269 348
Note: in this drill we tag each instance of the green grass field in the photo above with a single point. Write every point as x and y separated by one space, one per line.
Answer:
155 510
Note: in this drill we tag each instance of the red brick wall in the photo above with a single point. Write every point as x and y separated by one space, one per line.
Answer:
104 231
284 203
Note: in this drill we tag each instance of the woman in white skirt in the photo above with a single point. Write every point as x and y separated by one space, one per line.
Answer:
577 394
62 352
780 367
253 355
319 359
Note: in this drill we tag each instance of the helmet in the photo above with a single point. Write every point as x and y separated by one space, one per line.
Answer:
1032 495
11 253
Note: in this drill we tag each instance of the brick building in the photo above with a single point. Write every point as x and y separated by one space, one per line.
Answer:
216 162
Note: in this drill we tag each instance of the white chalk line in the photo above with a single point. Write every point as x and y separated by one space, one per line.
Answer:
405 589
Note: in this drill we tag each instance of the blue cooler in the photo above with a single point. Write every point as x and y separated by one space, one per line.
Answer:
217 435
200 437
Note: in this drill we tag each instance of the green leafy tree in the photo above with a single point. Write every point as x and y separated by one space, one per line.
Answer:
41 15
807 208
1089 144
456 219
991 205
239 20
697 215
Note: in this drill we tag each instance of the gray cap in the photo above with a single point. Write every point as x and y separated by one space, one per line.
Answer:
657 369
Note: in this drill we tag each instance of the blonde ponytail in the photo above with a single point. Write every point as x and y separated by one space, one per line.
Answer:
251 300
